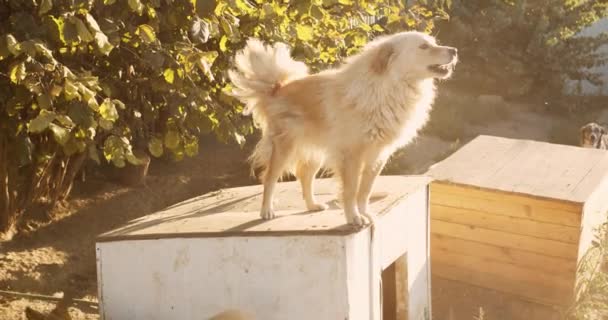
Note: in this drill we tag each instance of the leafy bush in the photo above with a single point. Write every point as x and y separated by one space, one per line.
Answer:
592 286
519 48
100 79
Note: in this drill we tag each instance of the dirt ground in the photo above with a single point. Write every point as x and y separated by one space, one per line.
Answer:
49 258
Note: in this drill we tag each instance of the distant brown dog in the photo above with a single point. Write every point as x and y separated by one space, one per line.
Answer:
594 136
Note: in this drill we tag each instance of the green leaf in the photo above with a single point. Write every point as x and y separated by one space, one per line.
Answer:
244 6
205 67
17 72
65 121
61 135
204 8
93 25
169 75
106 124
13 45
191 146
172 139
108 111
108 2
44 51
70 90
41 122
114 150
146 33
45 6
227 27
119 104
304 33
70 32
200 30
44 101
155 146
239 138
83 32
223 42
105 47
132 159
81 115
136 6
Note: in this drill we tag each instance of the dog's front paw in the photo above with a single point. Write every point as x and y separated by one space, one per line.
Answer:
357 221
317 207
267 213
369 217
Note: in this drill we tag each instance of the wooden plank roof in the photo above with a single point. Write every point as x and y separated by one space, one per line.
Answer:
527 167
235 212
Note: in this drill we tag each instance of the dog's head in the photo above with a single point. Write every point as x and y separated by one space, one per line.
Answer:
591 135
415 55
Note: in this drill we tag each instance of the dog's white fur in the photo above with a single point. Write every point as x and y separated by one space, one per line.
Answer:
349 119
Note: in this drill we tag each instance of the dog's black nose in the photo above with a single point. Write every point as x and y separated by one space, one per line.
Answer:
453 52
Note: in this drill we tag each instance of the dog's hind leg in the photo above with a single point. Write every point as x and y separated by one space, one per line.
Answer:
281 153
306 172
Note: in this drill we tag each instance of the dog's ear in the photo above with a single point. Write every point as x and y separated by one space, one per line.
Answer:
384 55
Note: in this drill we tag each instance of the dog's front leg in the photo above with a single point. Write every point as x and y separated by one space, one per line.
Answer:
368 177
350 173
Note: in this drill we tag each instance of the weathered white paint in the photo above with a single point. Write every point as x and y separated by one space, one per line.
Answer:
306 266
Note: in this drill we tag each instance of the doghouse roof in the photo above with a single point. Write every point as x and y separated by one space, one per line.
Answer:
235 212
527 167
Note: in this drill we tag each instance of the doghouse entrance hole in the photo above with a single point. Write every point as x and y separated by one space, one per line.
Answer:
394 291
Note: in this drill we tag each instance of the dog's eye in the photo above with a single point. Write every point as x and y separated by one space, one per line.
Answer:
424 46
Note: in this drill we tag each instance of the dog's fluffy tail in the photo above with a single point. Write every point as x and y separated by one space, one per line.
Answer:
261 70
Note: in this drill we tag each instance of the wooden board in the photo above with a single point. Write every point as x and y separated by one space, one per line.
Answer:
533 168
540 294
500 238
530 277
534 261
498 203
235 212
515 225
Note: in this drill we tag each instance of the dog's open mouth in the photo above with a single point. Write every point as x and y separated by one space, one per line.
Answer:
442 69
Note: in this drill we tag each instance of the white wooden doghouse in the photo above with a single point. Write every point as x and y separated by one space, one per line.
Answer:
517 215
213 253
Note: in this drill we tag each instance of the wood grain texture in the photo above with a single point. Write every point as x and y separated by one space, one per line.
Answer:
540 294
526 167
534 261
504 239
500 202
515 225
531 277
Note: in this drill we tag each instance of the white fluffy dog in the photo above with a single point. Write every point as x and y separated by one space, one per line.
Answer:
349 119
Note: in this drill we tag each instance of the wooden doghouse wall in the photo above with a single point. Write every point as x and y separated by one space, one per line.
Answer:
513 243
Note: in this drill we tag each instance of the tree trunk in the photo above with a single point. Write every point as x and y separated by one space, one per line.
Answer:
7 219
74 165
